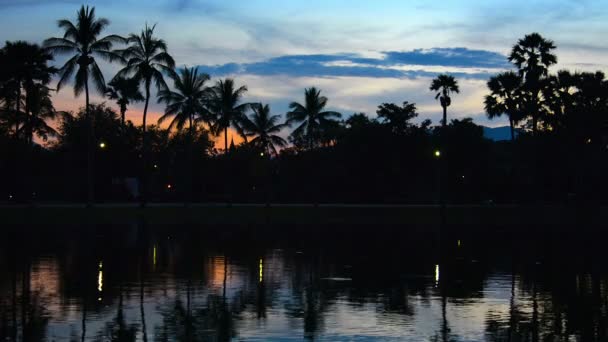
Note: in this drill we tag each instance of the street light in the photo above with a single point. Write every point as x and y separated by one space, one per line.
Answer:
437 153
261 154
102 145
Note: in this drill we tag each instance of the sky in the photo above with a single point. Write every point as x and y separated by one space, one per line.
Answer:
359 53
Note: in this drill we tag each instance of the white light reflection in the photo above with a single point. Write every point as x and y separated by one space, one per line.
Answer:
436 275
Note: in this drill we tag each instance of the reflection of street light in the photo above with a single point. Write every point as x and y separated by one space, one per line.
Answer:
261 270
436 274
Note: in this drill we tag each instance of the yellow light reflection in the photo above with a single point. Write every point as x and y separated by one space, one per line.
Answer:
261 270
100 278
458 243
436 274
154 256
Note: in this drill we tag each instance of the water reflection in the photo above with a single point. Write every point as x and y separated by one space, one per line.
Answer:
194 286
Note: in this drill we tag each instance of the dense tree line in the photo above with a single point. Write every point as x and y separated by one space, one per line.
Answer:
557 150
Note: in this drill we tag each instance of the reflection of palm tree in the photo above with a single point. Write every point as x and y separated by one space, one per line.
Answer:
118 330
124 91
444 85
532 56
311 116
227 110
263 127
82 40
147 58
504 98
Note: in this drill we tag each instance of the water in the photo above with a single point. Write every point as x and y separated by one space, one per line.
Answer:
134 283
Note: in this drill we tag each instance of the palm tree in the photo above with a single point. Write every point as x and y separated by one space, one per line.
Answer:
263 127
147 59
40 109
124 91
83 42
186 104
444 85
532 56
504 98
226 108
25 66
311 116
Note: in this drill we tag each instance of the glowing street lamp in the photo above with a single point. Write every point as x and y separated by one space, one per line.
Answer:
102 145
437 153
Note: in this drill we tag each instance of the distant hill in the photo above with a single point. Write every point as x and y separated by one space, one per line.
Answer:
498 133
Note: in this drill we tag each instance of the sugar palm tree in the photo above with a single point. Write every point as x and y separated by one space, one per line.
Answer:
263 128
504 98
82 40
124 91
227 109
147 61
311 116
444 85
532 55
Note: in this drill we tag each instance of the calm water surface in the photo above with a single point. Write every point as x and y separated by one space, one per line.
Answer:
136 283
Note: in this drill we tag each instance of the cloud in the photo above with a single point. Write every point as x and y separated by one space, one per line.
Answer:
461 62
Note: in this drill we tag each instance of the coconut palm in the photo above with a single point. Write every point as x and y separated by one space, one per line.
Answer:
504 98
124 91
147 61
444 85
532 55
82 40
263 128
187 103
311 116
226 109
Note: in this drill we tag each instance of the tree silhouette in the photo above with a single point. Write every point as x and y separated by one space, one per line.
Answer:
40 108
397 118
310 116
124 91
263 127
532 56
147 59
25 67
186 104
83 42
505 98
227 111
444 85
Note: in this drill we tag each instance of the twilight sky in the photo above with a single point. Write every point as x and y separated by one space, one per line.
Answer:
360 53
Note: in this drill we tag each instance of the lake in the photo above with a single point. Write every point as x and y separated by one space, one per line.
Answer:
294 283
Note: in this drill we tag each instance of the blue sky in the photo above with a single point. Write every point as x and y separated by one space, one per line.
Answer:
360 53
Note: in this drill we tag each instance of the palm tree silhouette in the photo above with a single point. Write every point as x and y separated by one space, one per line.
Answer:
226 108
147 59
82 40
263 127
532 56
505 98
124 91
40 109
186 104
311 116
444 85
25 68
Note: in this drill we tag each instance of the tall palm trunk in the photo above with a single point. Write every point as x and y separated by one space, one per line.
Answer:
18 108
123 111
512 127
226 140
190 162
90 139
445 117
144 169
